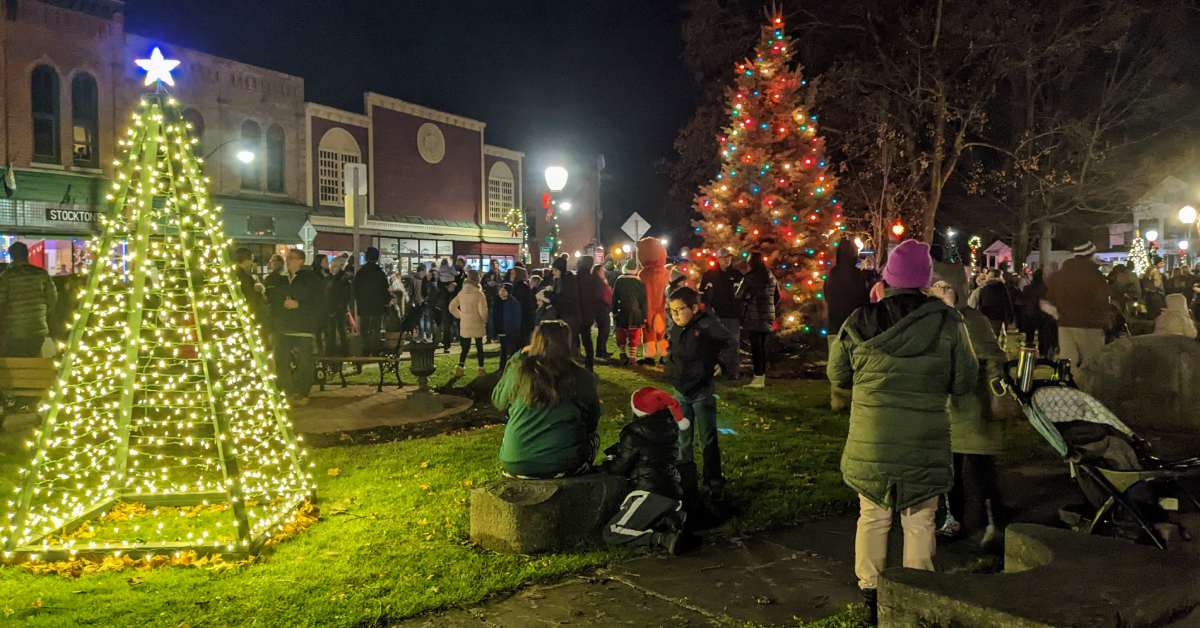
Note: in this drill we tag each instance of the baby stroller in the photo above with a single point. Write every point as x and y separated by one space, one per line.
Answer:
1124 483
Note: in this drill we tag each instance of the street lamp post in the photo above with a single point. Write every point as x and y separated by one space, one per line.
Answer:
245 155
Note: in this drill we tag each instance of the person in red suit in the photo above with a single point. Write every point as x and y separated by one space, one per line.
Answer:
653 257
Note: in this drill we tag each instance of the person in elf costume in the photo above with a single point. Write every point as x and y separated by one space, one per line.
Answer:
653 257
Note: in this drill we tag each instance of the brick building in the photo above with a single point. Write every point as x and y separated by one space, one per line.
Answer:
436 189
69 87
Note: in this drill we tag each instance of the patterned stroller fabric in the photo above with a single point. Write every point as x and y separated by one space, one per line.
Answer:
1063 405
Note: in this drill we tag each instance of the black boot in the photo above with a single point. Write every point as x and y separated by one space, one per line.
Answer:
697 515
871 601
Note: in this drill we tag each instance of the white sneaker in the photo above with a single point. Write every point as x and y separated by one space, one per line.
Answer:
459 371
759 381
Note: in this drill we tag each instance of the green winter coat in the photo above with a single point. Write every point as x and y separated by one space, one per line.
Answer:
904 356
974 427
542 442
27 298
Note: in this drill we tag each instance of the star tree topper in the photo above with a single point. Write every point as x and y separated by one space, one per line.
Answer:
158 68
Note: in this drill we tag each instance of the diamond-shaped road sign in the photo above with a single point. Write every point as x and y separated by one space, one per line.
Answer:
636 226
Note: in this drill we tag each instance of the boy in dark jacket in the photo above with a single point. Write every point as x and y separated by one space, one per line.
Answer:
698 340
652 513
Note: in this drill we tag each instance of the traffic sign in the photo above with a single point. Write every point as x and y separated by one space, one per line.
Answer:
636 226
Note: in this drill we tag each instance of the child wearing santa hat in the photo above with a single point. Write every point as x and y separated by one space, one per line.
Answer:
652 513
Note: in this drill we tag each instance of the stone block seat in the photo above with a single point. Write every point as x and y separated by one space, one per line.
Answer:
1150 382
1052 577
534 516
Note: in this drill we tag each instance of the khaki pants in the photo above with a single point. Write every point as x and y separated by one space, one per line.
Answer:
1080 345
871 541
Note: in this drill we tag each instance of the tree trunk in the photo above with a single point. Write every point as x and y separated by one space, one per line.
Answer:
1021 243
1046 244
937 162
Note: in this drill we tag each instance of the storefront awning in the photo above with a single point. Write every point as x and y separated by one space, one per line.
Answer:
255 220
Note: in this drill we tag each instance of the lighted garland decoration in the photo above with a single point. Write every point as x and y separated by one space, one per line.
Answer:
973 244
165 395
774 192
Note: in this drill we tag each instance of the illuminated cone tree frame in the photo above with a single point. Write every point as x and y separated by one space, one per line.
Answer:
774 192
164 430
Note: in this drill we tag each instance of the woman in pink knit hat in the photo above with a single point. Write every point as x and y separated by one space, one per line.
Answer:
904 356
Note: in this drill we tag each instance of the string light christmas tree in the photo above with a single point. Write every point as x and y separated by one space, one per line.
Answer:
774 193
165 408
1139 255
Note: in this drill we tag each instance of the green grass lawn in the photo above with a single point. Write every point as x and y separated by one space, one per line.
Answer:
392 540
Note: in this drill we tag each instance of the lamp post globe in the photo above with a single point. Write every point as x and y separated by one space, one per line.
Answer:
556 178
1187 214
245 156
1152 236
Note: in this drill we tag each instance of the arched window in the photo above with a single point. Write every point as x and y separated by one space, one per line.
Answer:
44 91
501 191
193 117
251 140
275 158
85 121
337 147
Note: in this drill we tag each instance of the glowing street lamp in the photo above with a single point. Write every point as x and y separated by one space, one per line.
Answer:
1151 236
556 178
664 242
245 156
627 249
565 205
1187 214
1183 245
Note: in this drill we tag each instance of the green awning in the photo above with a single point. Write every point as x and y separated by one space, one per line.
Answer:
259 220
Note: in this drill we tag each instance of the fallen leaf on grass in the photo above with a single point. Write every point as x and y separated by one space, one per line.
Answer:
425 464
333 472
424 487
38 603
341 506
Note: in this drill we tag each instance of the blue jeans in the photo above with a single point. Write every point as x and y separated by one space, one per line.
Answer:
701 410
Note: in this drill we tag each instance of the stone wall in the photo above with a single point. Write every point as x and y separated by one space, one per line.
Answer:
1149 382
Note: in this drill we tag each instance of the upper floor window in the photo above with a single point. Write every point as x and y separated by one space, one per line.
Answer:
44 91
251 140
337 148
275 158
85 121
501 192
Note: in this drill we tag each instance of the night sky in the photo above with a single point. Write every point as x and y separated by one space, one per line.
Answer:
557 80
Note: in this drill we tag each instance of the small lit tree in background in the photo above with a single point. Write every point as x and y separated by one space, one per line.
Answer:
1139 255
165 424
775 190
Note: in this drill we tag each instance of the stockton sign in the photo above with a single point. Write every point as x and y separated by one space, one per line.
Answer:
71 215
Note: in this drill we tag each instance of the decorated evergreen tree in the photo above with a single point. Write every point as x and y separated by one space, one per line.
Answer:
774 193
164 430
1139 255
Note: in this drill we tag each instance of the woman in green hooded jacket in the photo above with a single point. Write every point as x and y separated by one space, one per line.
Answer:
904 356
976 430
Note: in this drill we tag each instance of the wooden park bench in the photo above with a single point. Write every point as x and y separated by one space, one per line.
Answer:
23 380
388 361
